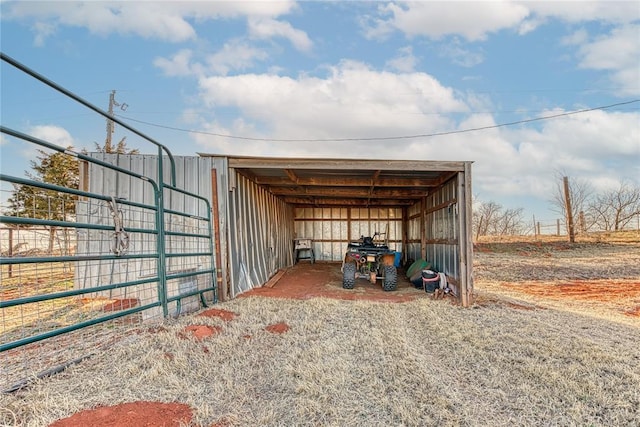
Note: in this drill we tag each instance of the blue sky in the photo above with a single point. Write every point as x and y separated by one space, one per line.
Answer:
333 70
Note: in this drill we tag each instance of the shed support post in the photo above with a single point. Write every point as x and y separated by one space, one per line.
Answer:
423 227
405 234
466 249
215 218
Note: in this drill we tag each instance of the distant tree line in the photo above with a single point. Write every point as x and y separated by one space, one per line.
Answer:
606 210
492 219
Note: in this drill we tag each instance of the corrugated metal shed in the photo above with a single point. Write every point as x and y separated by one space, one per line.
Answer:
424 206
263 204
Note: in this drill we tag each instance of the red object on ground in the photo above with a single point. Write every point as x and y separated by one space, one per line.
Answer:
140 414
200 332
277 328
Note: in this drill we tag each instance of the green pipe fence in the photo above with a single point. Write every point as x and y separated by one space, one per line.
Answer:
122 262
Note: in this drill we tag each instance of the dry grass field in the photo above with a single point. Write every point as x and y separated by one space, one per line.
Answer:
598 276
552 340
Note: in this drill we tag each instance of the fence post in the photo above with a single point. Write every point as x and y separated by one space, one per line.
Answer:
567 203
558 227
10 251
162 259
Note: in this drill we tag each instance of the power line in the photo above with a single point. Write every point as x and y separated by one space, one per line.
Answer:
386 138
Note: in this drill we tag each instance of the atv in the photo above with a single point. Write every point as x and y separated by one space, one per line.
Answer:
371 260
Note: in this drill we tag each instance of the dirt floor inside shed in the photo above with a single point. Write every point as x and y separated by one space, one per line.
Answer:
324 279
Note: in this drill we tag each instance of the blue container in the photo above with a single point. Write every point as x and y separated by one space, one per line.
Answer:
398 259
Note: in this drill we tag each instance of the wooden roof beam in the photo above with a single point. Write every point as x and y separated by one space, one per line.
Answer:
343 164
349 182
349 192
292 175
318 201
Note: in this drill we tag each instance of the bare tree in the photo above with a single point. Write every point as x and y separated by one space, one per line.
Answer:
484 218
491 219
511 221
613 210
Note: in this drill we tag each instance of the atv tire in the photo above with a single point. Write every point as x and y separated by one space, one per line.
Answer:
349 275
390 278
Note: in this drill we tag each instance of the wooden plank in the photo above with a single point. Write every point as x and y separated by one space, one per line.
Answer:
276 277
343 164
344 181
348 192
215 219
317 201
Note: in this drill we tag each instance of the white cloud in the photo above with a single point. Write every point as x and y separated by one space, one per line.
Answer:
266 28
617 52
471 20
53 134
179 64
476 20
43 30
405 62
576 38
164 20
530 24
616 12
461 55
235 55
355 101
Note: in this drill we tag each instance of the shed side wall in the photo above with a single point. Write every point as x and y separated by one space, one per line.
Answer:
260 234
433 232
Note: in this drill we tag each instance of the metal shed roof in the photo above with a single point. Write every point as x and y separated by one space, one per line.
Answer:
345 182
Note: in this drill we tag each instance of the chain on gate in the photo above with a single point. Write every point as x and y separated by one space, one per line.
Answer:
120 242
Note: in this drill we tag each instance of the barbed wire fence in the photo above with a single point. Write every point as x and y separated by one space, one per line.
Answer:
558 227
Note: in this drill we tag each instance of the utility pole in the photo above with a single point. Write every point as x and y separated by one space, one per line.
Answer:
567 205
111 126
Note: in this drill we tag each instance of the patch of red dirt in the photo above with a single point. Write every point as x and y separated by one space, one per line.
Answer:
223 314
200 332
593 290
277 328
143 414
306 281
635 312
121 304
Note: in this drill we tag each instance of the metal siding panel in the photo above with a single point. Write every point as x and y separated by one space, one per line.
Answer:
254 210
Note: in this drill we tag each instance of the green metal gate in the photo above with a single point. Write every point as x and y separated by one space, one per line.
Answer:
81 267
